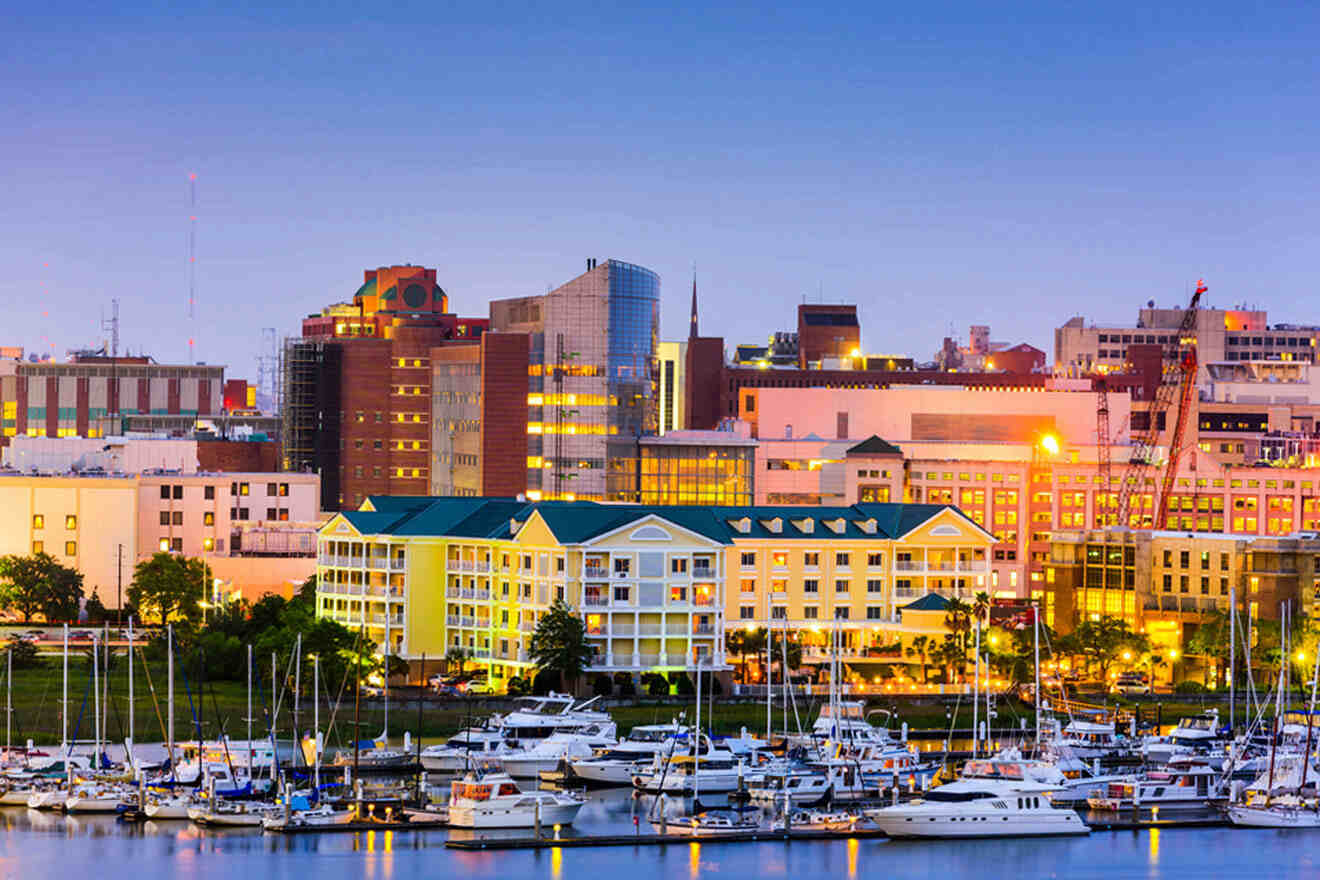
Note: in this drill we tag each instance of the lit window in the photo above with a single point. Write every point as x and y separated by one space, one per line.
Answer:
208 543
165 545
71 522
38 521
38 547
70 548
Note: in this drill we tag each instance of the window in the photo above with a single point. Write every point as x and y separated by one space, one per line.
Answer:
841 560
1168 583
875 560
622 565
779 559
1182 584
747 585
1205 560
1168 559
748 560
1184 559
874 585
209 493
242 489
176 545
165 493
842 585
810 612
678 565
620 594
176 517
178 492
70 522
811 585
271 513
208 518
270 489
70 548
38 521
746 612
1205 586
1223 562
841 613
779 612
811 560
873 612
243 513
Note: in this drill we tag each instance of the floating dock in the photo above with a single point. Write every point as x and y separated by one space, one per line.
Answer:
490 843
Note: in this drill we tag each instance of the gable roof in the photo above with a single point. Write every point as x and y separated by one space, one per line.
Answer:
873 445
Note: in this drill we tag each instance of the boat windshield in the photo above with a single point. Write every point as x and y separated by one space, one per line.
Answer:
992 770
1205 724
959 796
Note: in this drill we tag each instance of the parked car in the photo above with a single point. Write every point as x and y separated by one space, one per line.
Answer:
81 635
477 686
1130 684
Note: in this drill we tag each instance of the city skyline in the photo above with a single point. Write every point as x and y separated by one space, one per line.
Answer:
955 169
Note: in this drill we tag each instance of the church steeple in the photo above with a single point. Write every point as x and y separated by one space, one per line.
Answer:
692 330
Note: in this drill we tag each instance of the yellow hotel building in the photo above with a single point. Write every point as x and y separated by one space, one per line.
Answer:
656 586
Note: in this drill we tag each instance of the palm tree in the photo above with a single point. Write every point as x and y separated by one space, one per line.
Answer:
981 607
918 649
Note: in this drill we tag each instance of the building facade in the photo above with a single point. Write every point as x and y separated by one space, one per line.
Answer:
656 586
671 408
592 384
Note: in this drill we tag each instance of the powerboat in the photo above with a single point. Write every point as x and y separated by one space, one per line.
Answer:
488 797
552 751
713 769
453 756
1088 740
231 814
323 816
1181 785
845 721
618 764
1004 796
533 719
1195 735
176 806
717 822
95 798
818 820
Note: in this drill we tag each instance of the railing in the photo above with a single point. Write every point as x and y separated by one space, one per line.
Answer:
377 562
453 621
702 571
598 574
939 566
909 565
398 564
650 659
325 559
650 629
527 626
596 601
703 629
483 567
481 653
453 592
522 656
468 621
622 630
676 629
703 600
482 594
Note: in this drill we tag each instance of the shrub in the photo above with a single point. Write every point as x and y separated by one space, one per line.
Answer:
624 685
547 680
683 685
1189 687
602 686
518 686
24 653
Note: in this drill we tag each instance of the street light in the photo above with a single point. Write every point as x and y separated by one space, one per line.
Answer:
1049 444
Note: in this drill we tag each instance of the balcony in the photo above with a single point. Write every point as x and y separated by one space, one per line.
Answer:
651 659
378 562
453 621
703 629
595 574
467 621
481 653
622 630
910 565
398 564
527 626
481 594
596 601
704 600
650 629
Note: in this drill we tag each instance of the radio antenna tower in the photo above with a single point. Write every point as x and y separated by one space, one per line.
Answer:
113 326
192 262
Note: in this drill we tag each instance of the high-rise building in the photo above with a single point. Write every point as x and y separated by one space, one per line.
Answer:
591 379
357 386
671 409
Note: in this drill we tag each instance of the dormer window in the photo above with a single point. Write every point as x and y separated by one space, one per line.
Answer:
806 526
775 525
742 526
836 525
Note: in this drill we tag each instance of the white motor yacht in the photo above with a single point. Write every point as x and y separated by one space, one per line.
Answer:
1196 735
535 718
313 817
1181 785
849 725
717 822
1088 740
231 814
618 764
714 769
453 755
488 797
816 782
552 751
1004 796
95 798
161 807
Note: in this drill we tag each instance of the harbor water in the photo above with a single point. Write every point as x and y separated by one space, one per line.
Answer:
49 845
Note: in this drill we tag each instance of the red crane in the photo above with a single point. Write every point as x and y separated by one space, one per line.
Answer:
1177 383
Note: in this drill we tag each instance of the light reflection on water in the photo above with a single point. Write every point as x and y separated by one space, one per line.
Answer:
53 847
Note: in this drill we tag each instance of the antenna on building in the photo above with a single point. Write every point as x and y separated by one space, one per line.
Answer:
113 326
268 362
192 262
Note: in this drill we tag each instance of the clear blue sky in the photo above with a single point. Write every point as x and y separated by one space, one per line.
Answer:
937 163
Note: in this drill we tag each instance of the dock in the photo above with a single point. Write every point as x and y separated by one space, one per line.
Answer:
498 843
370 825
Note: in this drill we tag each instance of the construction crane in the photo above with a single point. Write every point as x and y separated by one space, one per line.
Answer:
1101 385
1177 382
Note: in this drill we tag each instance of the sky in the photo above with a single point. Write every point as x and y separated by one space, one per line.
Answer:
939 164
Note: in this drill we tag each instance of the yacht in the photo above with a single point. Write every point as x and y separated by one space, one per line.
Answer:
550 752
618 764
717 822
814 783
1004 796
1197 735
713 769
845 721
96 797
1088 740
533 719
1081 781
818 820
304 815
1181 785
1275 799
453 755
487 797
231 814
175 806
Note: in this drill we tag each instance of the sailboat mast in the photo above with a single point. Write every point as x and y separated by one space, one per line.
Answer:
169 665
976 689
274 707
696 757
130 683
1310 717
251 774
316 720
769 662
1232 657
297 694
9 697
64 700
1035 628
96 703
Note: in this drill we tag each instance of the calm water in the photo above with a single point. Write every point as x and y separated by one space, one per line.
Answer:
52 847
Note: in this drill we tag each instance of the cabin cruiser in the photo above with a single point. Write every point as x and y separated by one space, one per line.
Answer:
231 814
533 719
174 806
1196 735
1081 781
714 768
836 780
95 797
552 751
302 813
487 797
1088 740
817 820
1182 784
1004 796
618 764
845 721
453 755
717 822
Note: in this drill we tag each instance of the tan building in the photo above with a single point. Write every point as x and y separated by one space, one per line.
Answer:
104 525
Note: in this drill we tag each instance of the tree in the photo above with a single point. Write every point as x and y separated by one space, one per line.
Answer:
307 592
23 654
743 642
951 654
169 587
981 607
1211 639
1099 641
38 584
457 656
958 620
919 648
560 643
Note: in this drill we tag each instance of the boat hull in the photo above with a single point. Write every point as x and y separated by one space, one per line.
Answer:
1273 817
900 822
498 817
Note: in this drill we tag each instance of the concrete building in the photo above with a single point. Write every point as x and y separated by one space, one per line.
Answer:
131 454
104 525
1220 334
671 403
479 417
356 386
699 467
656 586
592 389
95 396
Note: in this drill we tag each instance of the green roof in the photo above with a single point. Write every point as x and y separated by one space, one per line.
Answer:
928 602
367 289
575 522
873 445
390 294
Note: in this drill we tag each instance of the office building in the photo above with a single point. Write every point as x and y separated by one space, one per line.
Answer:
699 467
671 403
591 392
